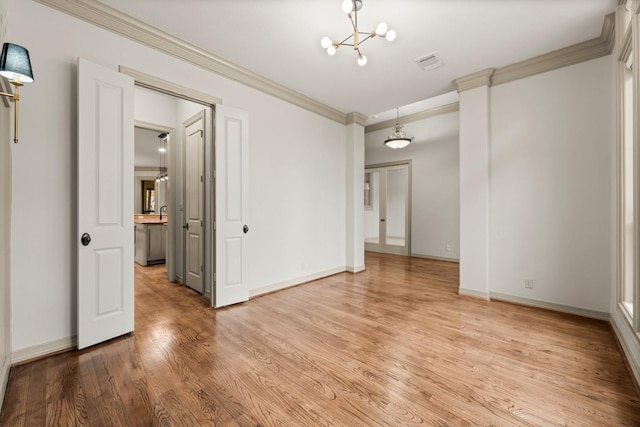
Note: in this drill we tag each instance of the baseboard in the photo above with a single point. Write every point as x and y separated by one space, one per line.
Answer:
45 349
294 282
550 306
4 377
437 258
357 269
629 341
473 293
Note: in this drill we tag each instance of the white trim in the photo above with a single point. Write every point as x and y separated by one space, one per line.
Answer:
122 24
294 282
474 293
474 80
550 306
165 86
436 258
570 55
357 269
421 115
356 118
629 341
44 349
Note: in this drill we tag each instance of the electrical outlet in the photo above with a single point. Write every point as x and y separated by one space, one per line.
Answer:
448 248
528 283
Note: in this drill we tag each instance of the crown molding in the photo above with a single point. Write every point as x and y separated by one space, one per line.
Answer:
570 55
357 118
474 80
444 109
110 19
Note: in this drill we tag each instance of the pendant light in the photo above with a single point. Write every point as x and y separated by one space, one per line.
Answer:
398 139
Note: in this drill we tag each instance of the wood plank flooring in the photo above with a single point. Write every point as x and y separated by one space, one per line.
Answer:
391 346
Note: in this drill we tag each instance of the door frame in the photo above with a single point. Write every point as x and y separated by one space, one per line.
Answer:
408 205
169 88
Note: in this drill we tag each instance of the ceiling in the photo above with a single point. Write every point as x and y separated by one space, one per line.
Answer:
280 40
146 149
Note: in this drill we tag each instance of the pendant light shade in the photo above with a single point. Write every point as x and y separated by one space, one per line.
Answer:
398 139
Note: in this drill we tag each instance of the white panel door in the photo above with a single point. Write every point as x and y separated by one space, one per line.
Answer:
194 202
232 158
105 204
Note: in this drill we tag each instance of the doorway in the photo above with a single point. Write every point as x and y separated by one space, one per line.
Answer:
106 122
387 199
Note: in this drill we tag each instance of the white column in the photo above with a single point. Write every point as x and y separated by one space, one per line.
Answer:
474 183
354 241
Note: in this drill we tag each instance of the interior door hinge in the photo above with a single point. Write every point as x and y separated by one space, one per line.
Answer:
214 174
201 178
214 277
201 269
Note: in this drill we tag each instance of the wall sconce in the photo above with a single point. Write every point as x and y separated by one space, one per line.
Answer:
15 66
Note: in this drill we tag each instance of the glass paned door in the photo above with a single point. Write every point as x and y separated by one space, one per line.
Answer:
387 214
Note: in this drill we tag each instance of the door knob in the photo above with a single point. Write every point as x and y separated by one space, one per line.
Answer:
245 229
186 226
85 239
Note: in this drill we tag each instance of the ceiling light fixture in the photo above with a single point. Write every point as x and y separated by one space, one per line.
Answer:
398 139
351 8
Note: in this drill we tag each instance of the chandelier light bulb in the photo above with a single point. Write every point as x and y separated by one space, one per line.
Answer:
391 35
331 50
162 150
381 29
325 42
362 60
347 6
158 179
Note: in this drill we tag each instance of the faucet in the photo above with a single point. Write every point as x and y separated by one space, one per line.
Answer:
165 210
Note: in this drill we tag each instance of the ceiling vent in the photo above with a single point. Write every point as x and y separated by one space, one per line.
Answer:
430 61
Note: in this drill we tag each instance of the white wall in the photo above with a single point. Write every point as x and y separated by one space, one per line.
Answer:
296 177
552 141
435 198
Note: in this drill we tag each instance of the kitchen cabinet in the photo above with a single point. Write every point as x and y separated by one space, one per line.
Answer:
150 242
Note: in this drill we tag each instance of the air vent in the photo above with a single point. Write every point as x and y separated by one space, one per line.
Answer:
430 61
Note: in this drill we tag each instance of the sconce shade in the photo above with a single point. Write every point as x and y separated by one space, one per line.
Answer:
14 62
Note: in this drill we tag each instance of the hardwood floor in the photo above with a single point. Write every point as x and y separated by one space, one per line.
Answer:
394 345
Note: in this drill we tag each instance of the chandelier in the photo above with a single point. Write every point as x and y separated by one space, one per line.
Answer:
398 139
351 8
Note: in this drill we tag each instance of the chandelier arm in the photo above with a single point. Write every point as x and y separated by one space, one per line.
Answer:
366 38
354 24
342 43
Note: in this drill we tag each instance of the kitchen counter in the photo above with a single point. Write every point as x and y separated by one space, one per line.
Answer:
149 219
